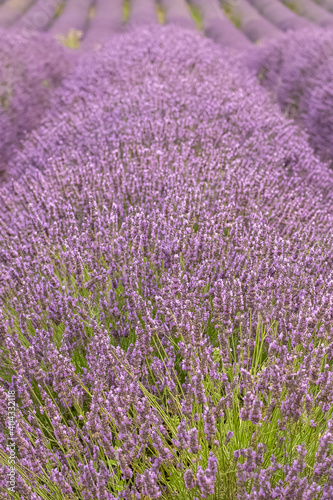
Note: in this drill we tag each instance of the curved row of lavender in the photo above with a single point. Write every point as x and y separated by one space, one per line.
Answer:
12 10
74 17
178 13
166 286
255 26
263 19
142 12
298 70
108 20
280 15
30 70
313 12
218 27
39 17
327 4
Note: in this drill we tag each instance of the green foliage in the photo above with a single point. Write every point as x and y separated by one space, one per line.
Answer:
196 16
72 40
236 20
126 10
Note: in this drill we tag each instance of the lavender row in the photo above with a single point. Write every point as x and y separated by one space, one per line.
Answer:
178 13
108 19
218 27
280 15
142 12
313 12
167 283
297 69
39 17
327 4
74 17
31 69
251 23
12 10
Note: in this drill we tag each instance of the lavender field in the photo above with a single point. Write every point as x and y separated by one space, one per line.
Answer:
166 250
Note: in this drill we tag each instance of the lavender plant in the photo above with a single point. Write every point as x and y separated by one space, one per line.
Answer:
298 71
166 263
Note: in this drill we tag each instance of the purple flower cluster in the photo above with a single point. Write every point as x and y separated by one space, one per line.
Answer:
166 285
293 485
298 70
30 69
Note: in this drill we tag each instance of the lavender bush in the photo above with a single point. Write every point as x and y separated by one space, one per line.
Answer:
166 264
298 70
30 69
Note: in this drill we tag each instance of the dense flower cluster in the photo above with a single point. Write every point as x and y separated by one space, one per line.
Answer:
298 69
167 282
30 69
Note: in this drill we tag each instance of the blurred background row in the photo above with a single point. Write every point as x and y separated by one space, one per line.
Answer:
87 23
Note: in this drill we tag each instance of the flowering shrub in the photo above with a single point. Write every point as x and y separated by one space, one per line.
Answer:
30 70
166 264
298 70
